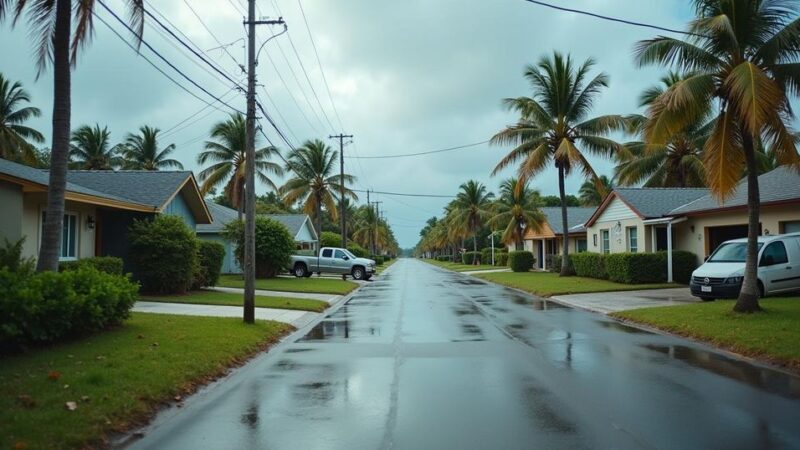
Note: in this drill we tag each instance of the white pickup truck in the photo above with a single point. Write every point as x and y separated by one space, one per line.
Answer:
332 260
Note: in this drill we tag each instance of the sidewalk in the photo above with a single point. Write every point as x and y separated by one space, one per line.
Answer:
297 319
609 302
330 298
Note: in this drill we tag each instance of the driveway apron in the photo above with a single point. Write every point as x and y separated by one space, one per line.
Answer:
427 358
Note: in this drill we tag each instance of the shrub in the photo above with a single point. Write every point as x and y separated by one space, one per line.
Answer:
378 259
357 250
486 255
210 256
634 268
107 264
445 258
501 259
44 307
553 263
164 254
11 257
330 239
683 264
587 264
521 261
471 257
274 245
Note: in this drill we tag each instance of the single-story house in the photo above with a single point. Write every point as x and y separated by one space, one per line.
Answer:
100 206
548 240
299 226
654 219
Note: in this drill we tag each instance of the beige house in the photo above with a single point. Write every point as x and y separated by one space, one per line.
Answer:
548 240
656 219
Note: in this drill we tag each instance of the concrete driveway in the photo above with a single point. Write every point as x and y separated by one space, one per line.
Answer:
609 302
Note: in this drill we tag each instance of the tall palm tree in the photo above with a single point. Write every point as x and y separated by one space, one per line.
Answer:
91 149
315 181
744 56
472 208
51 24
554 127
592 193
14 135
141 151
516 209
676 163
227 151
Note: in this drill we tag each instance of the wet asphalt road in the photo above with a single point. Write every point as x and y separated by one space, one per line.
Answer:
429 359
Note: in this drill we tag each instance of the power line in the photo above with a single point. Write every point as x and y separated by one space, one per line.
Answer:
183 124
277 110
160 57
612 19
449 149
225 49
406 195
319 63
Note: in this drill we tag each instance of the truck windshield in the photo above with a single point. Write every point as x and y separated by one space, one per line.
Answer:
732 252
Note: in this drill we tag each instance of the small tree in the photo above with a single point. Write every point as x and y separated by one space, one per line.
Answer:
330 239
164 254
274 245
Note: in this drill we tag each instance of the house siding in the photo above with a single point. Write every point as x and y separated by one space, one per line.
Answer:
11 218
34 204
229 262
178 207
618 211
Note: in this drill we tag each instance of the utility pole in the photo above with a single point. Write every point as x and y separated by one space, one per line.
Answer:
377 223
371 247
341 137
250 157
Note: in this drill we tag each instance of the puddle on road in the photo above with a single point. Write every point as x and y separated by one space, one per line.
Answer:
622 327
762 378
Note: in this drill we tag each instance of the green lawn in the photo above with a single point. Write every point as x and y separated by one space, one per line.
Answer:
456 267
233 299
118 378
311 285
384 266
773 334
546 284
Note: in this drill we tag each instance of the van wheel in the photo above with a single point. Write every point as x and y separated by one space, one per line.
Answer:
308 274
300 270
358 273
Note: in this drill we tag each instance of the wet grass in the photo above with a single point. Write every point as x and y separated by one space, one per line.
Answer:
773 334
118 377
546 284
456 267
308 285
233 299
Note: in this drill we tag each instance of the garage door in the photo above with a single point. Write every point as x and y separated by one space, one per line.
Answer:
718 235
791 227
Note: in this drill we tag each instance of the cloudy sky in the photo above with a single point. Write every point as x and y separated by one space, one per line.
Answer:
404 76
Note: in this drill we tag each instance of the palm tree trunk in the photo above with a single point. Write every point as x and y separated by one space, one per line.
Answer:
565 272
50 247
475 249
318 219
748 296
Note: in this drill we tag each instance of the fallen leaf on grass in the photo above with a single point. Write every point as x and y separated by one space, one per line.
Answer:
177 398
54 375
71 406
26 401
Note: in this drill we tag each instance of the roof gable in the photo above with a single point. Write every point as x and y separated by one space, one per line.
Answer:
576 217
649 203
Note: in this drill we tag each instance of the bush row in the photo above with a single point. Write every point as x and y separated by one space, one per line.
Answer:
521 261
445 258
501 259
634 268
471 257
107 264
274 245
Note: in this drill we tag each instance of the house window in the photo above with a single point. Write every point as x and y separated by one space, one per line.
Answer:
580 245
633 239
69 236
605 244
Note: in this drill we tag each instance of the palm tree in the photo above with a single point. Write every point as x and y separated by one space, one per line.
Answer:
471 209
51 24
227 151
592 193
516 209
315 181
676 163
14 136
141 151
553 127
744 59
91 149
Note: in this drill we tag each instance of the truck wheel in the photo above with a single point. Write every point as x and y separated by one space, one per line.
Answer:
308 274
707 299
300 270
358 273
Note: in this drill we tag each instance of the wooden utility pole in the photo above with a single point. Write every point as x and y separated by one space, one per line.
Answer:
341 137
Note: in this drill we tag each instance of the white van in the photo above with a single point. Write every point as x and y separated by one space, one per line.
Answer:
778 268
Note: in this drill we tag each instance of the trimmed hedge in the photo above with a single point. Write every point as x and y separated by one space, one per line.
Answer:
379 260
39 308
587 264
471 257
210 256
330 239
501 259
553 263
274 245
164 254
357 250
445 258
521 261
107 264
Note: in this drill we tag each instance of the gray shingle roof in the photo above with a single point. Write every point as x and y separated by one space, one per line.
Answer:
139 186
576 216
658 202
42 177
781 184
222 215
